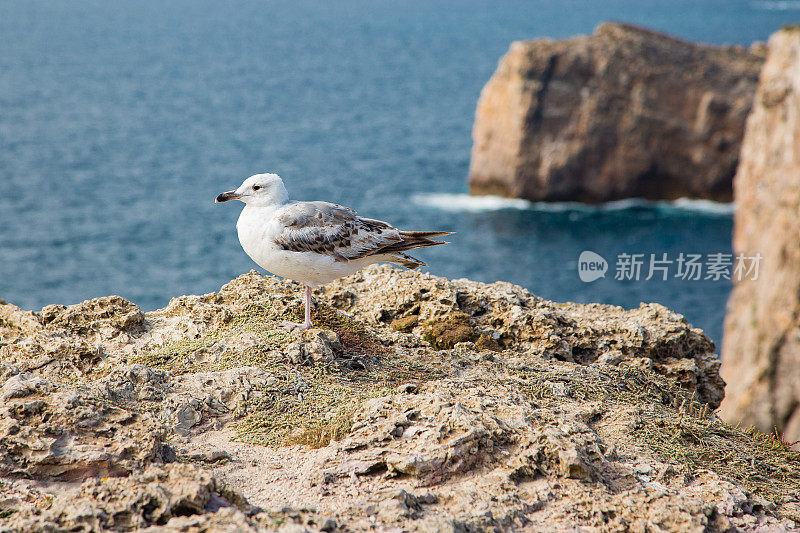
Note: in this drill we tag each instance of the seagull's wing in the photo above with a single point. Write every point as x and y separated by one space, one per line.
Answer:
331 229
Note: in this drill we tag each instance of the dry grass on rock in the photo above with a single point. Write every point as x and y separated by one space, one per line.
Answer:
671 423
301 404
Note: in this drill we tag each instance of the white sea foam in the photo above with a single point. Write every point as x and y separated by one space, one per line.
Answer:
704 206
466 202
469 203
779 5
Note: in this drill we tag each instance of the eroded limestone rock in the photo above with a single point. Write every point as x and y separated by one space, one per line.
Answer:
651 335
55 432
559 416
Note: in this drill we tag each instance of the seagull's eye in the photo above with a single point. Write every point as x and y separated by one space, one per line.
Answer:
256 187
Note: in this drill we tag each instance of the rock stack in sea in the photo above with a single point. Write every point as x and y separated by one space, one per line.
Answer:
761 349
418 404
625 112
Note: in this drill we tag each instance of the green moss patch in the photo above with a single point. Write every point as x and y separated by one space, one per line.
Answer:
445 333
485 342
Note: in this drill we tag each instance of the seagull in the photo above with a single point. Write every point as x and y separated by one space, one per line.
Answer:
316 242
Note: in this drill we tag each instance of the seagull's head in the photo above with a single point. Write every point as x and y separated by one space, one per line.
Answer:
258 190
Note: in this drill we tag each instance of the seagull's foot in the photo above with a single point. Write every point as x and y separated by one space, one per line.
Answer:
294 325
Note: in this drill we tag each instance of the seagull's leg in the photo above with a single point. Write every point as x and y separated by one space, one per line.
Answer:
307 323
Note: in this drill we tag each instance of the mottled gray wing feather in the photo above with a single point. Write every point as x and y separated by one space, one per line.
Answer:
331 229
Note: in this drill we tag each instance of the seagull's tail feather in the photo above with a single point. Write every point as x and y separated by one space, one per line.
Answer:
411 240
415 239
424 234
405 260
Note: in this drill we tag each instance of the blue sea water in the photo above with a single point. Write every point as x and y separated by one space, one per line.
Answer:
121 121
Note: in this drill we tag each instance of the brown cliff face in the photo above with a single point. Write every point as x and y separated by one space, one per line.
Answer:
623 113
761 351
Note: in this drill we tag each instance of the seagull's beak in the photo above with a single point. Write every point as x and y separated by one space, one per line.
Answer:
224 197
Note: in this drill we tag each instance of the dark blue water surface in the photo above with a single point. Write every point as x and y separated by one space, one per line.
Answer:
120 122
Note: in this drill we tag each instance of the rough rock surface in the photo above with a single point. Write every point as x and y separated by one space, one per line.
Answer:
66 434
520 414
651 336
177 497
625 112
762 329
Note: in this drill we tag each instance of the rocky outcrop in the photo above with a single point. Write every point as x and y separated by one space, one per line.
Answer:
762 329
652 336
171 497
625 112
66 435
417 403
